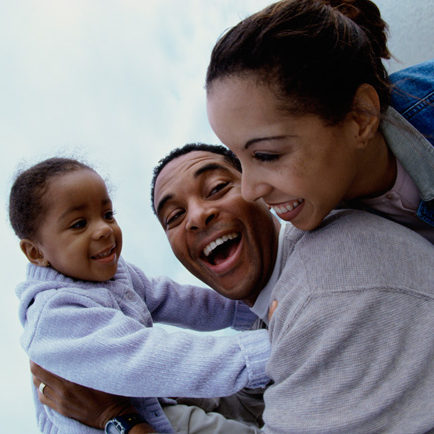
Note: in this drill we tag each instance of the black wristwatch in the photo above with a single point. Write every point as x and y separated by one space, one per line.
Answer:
122 424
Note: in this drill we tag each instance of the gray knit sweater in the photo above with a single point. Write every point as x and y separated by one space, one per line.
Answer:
353 335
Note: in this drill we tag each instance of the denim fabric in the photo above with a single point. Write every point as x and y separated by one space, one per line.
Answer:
413 97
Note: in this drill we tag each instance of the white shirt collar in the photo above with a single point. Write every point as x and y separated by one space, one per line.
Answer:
260 308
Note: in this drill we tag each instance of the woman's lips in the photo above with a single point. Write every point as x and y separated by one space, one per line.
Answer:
288 210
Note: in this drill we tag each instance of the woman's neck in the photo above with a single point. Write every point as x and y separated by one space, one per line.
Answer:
377 169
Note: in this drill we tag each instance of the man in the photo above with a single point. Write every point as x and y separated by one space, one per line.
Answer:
352 342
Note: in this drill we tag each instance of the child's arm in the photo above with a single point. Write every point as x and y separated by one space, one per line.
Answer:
190 306
76 338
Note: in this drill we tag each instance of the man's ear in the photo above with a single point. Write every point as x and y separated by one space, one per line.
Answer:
33 253
366 112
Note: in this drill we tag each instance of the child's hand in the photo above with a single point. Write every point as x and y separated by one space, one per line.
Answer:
271 309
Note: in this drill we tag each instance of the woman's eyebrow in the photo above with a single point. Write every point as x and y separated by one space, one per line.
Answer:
262 139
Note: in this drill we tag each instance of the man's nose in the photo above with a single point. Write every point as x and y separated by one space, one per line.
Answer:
199 215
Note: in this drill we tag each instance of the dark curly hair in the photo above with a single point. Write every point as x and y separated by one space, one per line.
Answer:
314 54
228 155
26 207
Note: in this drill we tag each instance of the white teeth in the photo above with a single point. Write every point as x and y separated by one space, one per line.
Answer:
213 244
288 207
104 254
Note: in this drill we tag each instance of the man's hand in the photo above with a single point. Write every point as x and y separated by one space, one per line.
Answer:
88 406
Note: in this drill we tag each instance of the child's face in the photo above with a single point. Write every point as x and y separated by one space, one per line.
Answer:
79 236
299 165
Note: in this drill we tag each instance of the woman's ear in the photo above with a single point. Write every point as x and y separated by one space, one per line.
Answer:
33 253
366 112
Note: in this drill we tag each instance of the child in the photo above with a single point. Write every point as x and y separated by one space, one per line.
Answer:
299 93
88 315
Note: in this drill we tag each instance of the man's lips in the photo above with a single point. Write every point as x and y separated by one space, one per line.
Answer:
288 210
221 253
210 247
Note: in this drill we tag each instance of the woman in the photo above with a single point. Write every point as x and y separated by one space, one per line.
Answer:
299 92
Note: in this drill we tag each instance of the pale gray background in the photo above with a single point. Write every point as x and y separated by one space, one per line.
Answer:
119 83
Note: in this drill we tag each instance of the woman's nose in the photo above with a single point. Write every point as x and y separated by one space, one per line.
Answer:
251 188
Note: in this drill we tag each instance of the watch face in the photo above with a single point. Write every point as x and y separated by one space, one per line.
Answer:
114 427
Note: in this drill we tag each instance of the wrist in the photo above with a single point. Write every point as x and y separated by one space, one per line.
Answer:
124 424
113 411
141 428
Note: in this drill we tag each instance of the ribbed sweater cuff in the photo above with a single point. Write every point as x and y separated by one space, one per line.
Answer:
256 348
244 317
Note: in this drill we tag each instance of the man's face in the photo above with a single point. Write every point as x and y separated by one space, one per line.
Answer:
227 242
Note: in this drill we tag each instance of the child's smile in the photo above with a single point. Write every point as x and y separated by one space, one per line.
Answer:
79 236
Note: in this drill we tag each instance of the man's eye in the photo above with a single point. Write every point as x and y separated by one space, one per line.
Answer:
173 217
80 224
217 188
262 156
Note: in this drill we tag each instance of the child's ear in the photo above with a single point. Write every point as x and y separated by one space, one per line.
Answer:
33 253
366 112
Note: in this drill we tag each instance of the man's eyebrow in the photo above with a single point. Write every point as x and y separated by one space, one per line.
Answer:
206 168
163 202
262 139
209 167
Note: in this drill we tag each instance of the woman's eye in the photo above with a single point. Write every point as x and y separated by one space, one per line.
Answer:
217 188
262 156
80 224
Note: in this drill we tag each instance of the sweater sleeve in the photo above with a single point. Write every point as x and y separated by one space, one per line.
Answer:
189 306
76 338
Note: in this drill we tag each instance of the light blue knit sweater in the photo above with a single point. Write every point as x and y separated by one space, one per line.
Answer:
100 335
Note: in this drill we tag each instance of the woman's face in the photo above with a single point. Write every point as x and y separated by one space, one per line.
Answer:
299 165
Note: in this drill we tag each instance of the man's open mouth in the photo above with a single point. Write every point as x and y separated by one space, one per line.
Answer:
219 250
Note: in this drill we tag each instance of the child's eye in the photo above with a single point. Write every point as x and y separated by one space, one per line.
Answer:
109 215
217 188
263 156
79 224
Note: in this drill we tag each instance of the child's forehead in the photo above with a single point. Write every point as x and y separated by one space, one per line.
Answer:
75 188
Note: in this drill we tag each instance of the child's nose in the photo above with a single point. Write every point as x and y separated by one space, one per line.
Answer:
103 230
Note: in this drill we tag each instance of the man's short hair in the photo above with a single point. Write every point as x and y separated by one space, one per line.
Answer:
227 154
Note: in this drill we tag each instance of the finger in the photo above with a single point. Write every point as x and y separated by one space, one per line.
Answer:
272 308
